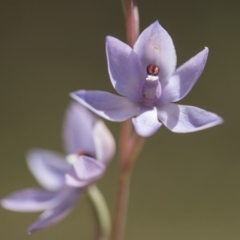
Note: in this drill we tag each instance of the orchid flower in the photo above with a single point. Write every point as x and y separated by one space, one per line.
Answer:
146 78
86 138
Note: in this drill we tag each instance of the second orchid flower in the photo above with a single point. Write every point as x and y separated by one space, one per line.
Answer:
89 145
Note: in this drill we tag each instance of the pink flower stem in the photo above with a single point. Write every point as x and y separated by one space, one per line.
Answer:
130 144
132 22
126 162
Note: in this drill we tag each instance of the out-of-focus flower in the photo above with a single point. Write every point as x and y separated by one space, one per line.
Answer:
146 78
86 138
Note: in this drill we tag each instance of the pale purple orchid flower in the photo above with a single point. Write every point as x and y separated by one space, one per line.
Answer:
63 183
146 78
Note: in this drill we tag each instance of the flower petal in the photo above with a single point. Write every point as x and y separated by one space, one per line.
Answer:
48 168
183 119
103 141
84 131
28 200
107 105
67 199
125 69
155 46
146 123
78 125
184 78
84 171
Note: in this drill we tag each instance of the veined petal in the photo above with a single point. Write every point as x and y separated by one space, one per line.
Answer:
77 132
125 69
103 142
48 168
84 171
184 119
109 106
184 78
67 200
28 200
146 123
155 46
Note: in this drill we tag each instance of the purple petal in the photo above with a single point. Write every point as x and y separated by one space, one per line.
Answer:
84 171
67 199
48 168
78 126
28 200
184 78
103 141
125 69
146 123
155 46
183 119
107 105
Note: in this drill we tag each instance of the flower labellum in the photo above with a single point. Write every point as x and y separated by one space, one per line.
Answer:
148 83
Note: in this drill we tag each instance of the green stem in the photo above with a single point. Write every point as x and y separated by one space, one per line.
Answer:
101 212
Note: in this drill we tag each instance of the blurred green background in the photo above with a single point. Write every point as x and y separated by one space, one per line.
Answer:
185 186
